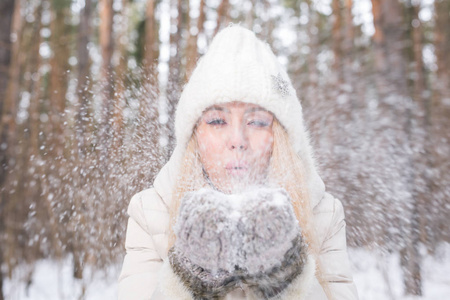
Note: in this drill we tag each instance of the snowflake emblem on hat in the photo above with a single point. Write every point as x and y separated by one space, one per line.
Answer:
280 85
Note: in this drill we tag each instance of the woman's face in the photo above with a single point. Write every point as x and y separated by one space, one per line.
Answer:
235 143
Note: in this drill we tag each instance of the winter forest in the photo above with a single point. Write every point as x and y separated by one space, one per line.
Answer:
88 90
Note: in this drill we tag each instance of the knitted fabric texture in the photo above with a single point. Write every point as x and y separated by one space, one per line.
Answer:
251 232
237 67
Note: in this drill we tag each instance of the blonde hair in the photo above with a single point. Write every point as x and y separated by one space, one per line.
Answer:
286 170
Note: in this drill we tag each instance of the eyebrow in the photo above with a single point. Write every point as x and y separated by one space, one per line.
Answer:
219 108
224 109
253 109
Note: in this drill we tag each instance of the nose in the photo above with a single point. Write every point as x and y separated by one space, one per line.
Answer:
237 139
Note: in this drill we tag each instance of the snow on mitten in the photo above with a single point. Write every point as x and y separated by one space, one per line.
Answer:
269 226
201 283
205 230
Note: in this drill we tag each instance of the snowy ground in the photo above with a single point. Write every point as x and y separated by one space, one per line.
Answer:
379 276
53 281
376 276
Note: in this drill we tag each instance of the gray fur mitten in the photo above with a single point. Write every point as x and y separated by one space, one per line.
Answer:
271 283
274 249
205 230
250 231
222 239
269 226
202 283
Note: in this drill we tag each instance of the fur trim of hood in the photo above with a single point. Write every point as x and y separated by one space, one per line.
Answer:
240 67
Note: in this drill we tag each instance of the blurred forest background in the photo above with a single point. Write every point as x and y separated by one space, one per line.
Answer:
88 90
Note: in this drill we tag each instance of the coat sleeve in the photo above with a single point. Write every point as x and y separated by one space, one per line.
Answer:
334 257
142 263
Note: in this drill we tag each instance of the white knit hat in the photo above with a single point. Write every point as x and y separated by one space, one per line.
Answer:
240 67
237 67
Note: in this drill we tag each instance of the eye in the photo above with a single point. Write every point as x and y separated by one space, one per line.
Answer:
217 121
259 123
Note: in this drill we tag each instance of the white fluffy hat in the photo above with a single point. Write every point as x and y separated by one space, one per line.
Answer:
240 67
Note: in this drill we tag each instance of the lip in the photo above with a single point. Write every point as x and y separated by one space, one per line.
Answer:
237 167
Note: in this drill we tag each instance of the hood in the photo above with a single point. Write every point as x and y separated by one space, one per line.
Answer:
239 67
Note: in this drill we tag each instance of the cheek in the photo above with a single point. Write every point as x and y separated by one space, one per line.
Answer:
262 151
263 144
210 147
207 144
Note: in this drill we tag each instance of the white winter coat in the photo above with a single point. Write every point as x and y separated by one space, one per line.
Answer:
146 274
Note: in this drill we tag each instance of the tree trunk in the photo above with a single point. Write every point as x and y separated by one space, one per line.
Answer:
121 79
389 40
269 26
442 47
149 109
417 39
6 14
313 74
9 11
349 28
6 107
83 129
395 103
348 45
1 273
8 81
250 15
175 72
27 152
394 28
59 43
410 258
222 15
379 41
191 50
107 49
201 19
56 131
151 44
424 104
350 73
440 113
31 194
337 39
84 82
8 155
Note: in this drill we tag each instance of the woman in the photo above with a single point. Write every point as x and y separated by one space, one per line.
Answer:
239 211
